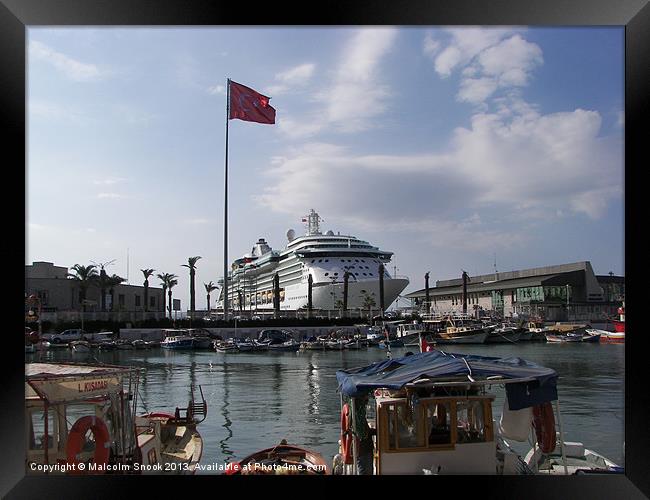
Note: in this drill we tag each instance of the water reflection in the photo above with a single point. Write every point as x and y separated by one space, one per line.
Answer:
256 399
226 452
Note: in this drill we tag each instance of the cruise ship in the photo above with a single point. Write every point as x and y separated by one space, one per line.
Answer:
324 257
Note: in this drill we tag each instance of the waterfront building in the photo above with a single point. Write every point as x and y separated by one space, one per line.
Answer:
60 297
566 292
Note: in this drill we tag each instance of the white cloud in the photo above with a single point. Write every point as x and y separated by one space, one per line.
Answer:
488 60
217 90
476 90
466 43
511 61
109 181
110 196
356 94
71 68
297 76
430 46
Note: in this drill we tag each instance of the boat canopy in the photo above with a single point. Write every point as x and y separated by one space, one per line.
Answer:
527 384
69 382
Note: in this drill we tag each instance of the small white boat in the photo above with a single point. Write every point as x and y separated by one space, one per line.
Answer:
576 459
607 337
124 345
140 344
80 346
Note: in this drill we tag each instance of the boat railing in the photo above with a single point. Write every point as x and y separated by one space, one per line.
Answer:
195 413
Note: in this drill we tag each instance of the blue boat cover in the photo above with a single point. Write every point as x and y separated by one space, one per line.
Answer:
396 373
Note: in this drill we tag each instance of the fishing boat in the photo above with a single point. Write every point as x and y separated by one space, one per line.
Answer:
201 338
313 345
573 336
277 340
282 459
560 337
503 335
409 333
228 345
432 413
176 339
82 419
609 337
619 324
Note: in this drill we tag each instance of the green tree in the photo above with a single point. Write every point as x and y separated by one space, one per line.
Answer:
168 282
191 265
369 302
147 274
85 276
111 282
164 278
209 288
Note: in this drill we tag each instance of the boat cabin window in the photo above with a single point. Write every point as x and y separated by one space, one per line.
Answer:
435 423
37 429
438 418
404 427
470 422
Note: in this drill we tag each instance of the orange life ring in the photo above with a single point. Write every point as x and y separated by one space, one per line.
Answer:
544 424
346 435
76 439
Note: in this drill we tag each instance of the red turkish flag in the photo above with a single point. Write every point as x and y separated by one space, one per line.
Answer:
250 106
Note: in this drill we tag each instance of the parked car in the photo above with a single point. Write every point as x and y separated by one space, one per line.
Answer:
67 336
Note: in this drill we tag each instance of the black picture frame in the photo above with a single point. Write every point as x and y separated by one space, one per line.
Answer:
17 15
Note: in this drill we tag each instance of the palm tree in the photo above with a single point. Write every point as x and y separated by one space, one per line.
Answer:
369 302
209 288
85 276
168 281
163 283
111 283
147 274
191 265
172 282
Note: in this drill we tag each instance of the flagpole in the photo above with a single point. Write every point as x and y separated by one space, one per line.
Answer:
225 214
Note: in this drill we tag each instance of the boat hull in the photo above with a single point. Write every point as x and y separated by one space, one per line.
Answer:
496 337
457 338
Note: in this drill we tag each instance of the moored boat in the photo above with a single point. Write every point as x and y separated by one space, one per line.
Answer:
281 459
83 420
409 333
80 346
176 339
433 415
503 335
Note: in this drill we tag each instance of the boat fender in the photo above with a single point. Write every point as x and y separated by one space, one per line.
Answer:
544 425
346 435
76 440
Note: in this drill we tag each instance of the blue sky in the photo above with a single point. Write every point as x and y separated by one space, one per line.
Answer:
445 146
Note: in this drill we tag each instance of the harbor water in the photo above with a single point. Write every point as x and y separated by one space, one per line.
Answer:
257 399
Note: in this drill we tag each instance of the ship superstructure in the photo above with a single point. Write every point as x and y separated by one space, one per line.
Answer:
324 257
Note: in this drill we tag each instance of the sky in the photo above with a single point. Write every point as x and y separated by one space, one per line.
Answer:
455 148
